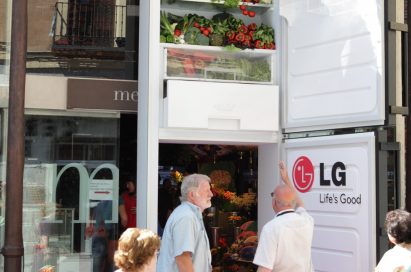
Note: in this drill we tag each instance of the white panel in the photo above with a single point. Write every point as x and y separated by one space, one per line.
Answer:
333 63
40 88
344 233
221 106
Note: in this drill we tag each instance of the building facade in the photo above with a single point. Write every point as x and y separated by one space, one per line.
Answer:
107 99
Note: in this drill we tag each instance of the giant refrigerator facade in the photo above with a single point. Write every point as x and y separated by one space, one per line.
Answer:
327 108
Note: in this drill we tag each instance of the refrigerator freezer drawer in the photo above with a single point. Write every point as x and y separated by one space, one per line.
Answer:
222 106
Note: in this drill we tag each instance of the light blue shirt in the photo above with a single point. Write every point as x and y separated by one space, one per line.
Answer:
185 231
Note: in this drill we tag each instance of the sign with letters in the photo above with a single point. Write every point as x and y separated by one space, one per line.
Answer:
102 94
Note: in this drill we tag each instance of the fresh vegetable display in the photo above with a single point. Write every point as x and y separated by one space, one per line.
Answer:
243 5
223 66
222 29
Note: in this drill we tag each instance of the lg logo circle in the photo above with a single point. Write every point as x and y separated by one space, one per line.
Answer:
303 174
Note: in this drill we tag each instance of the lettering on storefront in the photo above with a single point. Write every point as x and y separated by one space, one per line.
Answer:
120 95
94 189
102 94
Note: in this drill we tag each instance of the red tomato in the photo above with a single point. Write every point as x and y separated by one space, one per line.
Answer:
243 7
245 12
251 13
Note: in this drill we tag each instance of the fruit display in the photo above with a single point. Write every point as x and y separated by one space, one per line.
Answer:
223 29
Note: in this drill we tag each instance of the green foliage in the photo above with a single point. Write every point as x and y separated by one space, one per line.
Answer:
202 40
264 33
191 35
229 3
194 36
165 26
220 27
170 39
254 70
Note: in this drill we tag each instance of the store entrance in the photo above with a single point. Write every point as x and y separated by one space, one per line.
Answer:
231 222
128 147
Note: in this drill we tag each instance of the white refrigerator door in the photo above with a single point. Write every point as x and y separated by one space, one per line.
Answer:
332 63
335 177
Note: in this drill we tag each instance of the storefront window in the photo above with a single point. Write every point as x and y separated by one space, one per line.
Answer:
71 193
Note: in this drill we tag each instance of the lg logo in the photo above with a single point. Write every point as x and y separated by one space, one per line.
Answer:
303 174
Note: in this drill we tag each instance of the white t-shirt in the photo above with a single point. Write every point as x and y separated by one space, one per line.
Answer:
394 258
285 242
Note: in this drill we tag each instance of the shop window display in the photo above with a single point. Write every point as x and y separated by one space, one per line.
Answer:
71 193
232 220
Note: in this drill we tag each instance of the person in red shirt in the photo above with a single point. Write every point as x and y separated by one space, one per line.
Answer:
127 205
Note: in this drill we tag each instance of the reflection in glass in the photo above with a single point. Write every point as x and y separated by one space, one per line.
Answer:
71 189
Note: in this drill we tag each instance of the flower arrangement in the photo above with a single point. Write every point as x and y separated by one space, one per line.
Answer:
177 176
245 201
224 199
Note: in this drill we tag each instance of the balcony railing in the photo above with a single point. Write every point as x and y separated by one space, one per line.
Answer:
88 26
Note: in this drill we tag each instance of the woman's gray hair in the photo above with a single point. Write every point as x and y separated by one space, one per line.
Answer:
191 183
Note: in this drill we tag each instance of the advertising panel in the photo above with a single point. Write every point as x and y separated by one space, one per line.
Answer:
335 176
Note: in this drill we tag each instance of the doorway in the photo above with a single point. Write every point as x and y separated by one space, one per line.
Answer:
231 222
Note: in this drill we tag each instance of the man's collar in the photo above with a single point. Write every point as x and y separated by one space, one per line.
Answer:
284 212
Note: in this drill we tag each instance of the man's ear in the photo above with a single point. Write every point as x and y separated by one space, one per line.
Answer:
191 195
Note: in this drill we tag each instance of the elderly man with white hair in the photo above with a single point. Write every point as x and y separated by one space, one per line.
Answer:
185 245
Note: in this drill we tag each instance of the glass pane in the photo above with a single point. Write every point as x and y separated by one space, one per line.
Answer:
5 18
71 193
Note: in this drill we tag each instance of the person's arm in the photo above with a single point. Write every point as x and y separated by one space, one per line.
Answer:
286 180
263 269
123 215
184 262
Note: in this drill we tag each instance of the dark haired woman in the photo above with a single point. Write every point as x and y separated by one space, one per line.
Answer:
398 226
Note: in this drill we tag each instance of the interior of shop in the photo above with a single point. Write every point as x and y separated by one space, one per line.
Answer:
231 222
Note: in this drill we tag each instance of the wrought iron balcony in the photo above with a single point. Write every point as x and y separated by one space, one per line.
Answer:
81 28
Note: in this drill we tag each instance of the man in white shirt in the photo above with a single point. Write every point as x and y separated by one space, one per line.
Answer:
285 241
